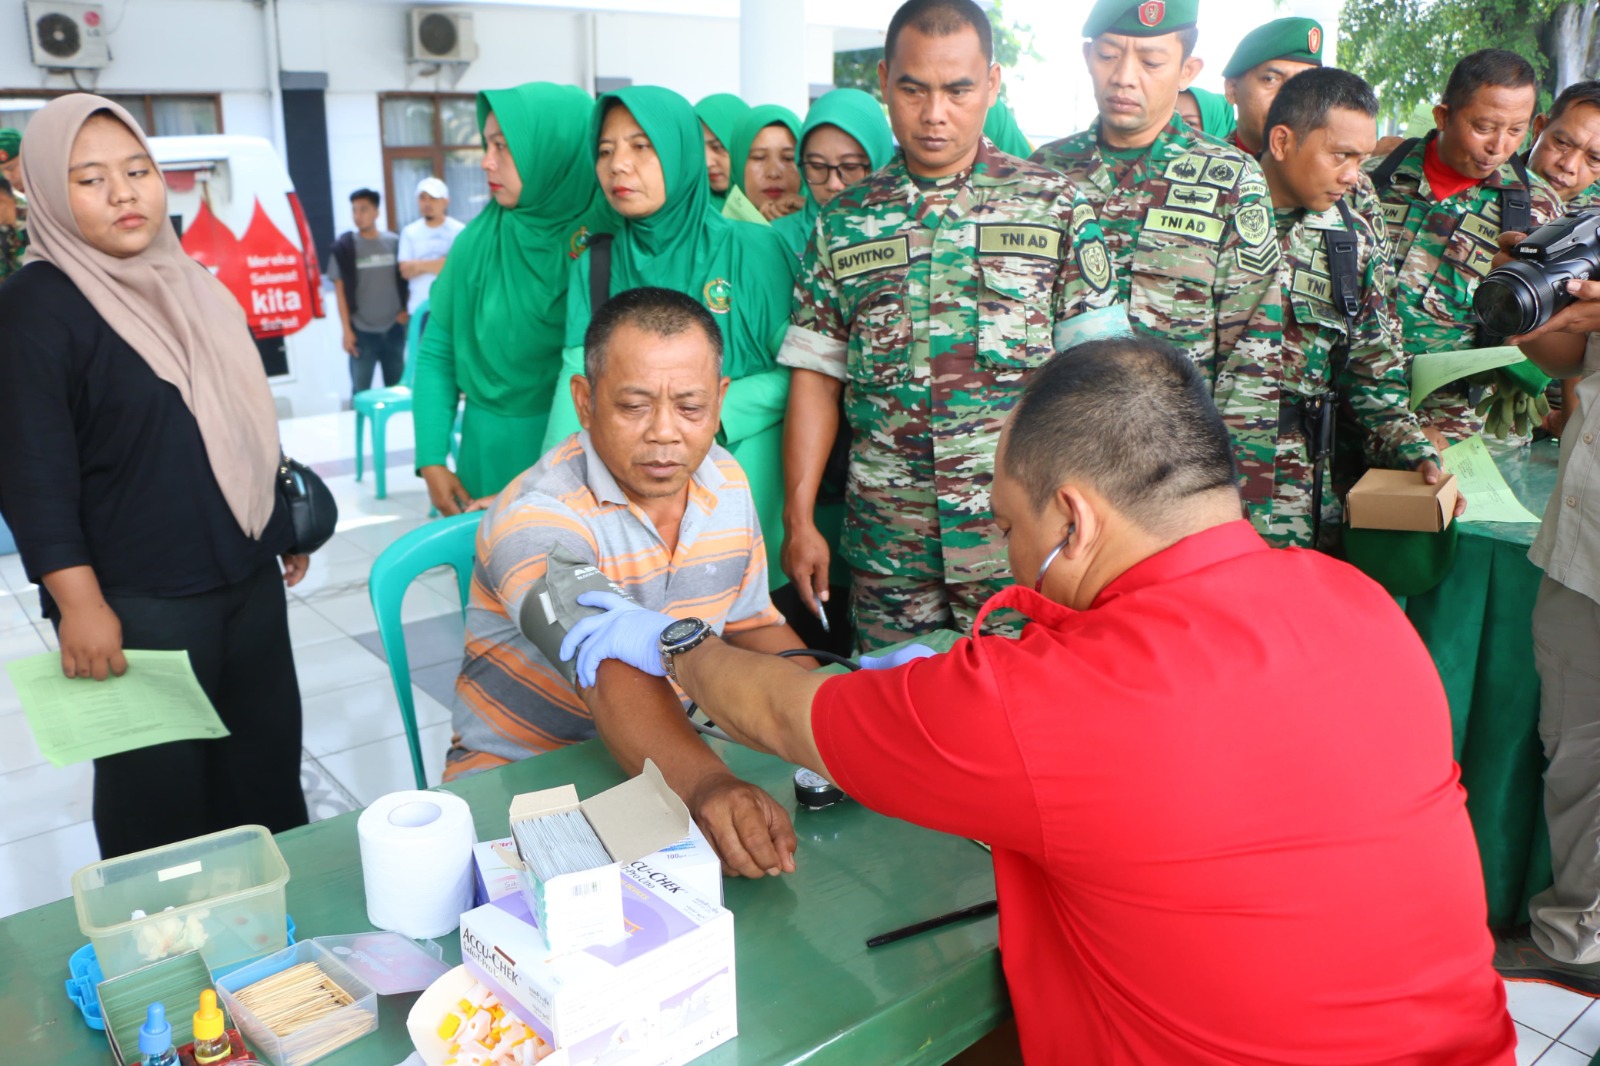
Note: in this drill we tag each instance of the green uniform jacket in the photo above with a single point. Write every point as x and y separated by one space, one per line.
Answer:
1440 250
1374 382
1190 230
933 312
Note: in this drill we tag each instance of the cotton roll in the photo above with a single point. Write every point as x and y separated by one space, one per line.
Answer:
416 860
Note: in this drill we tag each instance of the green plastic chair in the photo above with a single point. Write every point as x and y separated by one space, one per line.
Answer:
446 542
379 404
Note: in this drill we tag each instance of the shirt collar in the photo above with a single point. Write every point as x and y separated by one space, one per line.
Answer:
1193 553
707 476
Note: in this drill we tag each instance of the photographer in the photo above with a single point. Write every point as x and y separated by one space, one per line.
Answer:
1563 945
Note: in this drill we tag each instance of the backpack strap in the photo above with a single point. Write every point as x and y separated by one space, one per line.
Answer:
1516 204
1383 177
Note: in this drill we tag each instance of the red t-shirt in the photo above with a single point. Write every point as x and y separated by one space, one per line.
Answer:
1226 823
1444 180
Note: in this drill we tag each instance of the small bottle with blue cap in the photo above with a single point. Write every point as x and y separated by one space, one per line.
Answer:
155 1038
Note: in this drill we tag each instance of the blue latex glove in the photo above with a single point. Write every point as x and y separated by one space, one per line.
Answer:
626 632
890 660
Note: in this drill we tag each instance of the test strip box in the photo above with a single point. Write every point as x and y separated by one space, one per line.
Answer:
662 996
632 820
691 861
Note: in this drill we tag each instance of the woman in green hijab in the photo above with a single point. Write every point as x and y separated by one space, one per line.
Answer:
763 159
497 313
1206 111
719 114
845 138
650 162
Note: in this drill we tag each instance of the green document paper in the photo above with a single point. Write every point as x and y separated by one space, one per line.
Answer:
1433 369
1489 498
74 720
740 209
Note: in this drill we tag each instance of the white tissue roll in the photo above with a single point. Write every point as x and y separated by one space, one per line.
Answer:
416 861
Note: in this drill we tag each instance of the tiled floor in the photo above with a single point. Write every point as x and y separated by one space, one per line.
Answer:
355 749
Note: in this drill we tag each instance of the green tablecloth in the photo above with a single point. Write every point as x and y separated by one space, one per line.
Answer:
808 988
1478 624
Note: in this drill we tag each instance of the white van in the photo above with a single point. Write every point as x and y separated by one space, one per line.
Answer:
235 209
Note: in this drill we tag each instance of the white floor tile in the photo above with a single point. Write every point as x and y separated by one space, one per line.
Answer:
341 550
13 575
1560 1054
333 579
17 749
47 633
17 611
1530 1045
352 611
1584 1034
55 856
18 643
51 799
376 532
1544 1008
336 664
308 627
384 766
350 717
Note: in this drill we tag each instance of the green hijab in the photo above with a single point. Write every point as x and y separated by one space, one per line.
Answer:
1216 114
744 135
857 114
502 297
742 273
721 112
1003 132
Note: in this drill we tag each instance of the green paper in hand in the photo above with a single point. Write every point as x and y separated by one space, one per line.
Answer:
157 701
1430 370
739 208
1489 498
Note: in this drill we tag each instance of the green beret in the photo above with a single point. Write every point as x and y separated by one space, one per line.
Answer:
10 144
1292 38
1144 18
1405 564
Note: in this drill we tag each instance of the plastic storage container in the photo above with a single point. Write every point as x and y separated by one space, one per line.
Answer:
324 1036
220 895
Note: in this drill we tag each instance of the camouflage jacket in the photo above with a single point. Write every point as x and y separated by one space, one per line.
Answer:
13 245
1440 250
1190 230
1372 382
933 315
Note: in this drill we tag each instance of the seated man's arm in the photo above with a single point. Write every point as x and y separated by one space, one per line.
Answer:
639 717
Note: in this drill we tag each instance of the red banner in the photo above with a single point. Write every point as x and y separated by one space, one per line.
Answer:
272 280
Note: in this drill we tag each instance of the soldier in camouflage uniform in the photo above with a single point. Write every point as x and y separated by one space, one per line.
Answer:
1187 220
1267 57
1344 352
928 293
1442 247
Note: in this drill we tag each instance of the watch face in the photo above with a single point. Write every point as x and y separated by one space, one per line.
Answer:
679 631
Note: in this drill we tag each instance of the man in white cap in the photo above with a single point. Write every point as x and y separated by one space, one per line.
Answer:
425 242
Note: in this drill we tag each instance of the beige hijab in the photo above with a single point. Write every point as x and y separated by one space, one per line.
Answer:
180 319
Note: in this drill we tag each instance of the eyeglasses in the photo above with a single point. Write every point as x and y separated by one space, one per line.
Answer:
849 173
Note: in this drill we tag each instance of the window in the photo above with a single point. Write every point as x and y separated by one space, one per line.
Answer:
161 115
431 135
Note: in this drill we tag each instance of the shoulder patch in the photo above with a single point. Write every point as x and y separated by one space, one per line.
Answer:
1252 187
868 256
1261 260
1008 238
1094 263
1082 215
1254 224
1192 197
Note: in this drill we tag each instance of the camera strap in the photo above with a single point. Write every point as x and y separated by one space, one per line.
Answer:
1319 413
1383 177
1516 205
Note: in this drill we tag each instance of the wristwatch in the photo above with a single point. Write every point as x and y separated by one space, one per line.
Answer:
678 638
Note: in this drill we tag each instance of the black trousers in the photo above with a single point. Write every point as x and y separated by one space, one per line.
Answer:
237 638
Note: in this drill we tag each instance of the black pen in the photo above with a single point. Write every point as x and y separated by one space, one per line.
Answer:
977 910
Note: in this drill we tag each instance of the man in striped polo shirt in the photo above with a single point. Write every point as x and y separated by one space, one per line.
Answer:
643 494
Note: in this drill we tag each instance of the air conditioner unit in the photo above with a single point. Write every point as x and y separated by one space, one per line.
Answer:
66 35
442 35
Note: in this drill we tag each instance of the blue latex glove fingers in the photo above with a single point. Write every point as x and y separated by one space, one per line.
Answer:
898 657
632 636
610 602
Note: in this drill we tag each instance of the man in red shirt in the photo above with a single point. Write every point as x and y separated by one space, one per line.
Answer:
1214 842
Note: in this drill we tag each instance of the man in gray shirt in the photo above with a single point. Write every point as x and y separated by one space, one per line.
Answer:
365 269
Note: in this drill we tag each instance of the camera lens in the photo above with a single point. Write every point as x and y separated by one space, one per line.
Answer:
1506 303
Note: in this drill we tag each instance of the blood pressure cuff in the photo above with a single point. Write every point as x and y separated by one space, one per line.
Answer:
551 605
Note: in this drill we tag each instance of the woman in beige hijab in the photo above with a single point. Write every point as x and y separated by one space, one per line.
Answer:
140 447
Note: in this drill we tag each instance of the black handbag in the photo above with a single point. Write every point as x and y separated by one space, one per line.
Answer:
310 505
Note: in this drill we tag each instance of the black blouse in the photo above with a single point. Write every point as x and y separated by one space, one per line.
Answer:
101 462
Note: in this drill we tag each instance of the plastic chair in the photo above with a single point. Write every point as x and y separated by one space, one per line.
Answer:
380 404
448 541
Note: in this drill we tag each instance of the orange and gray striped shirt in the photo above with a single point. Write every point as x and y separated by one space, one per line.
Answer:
510 701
